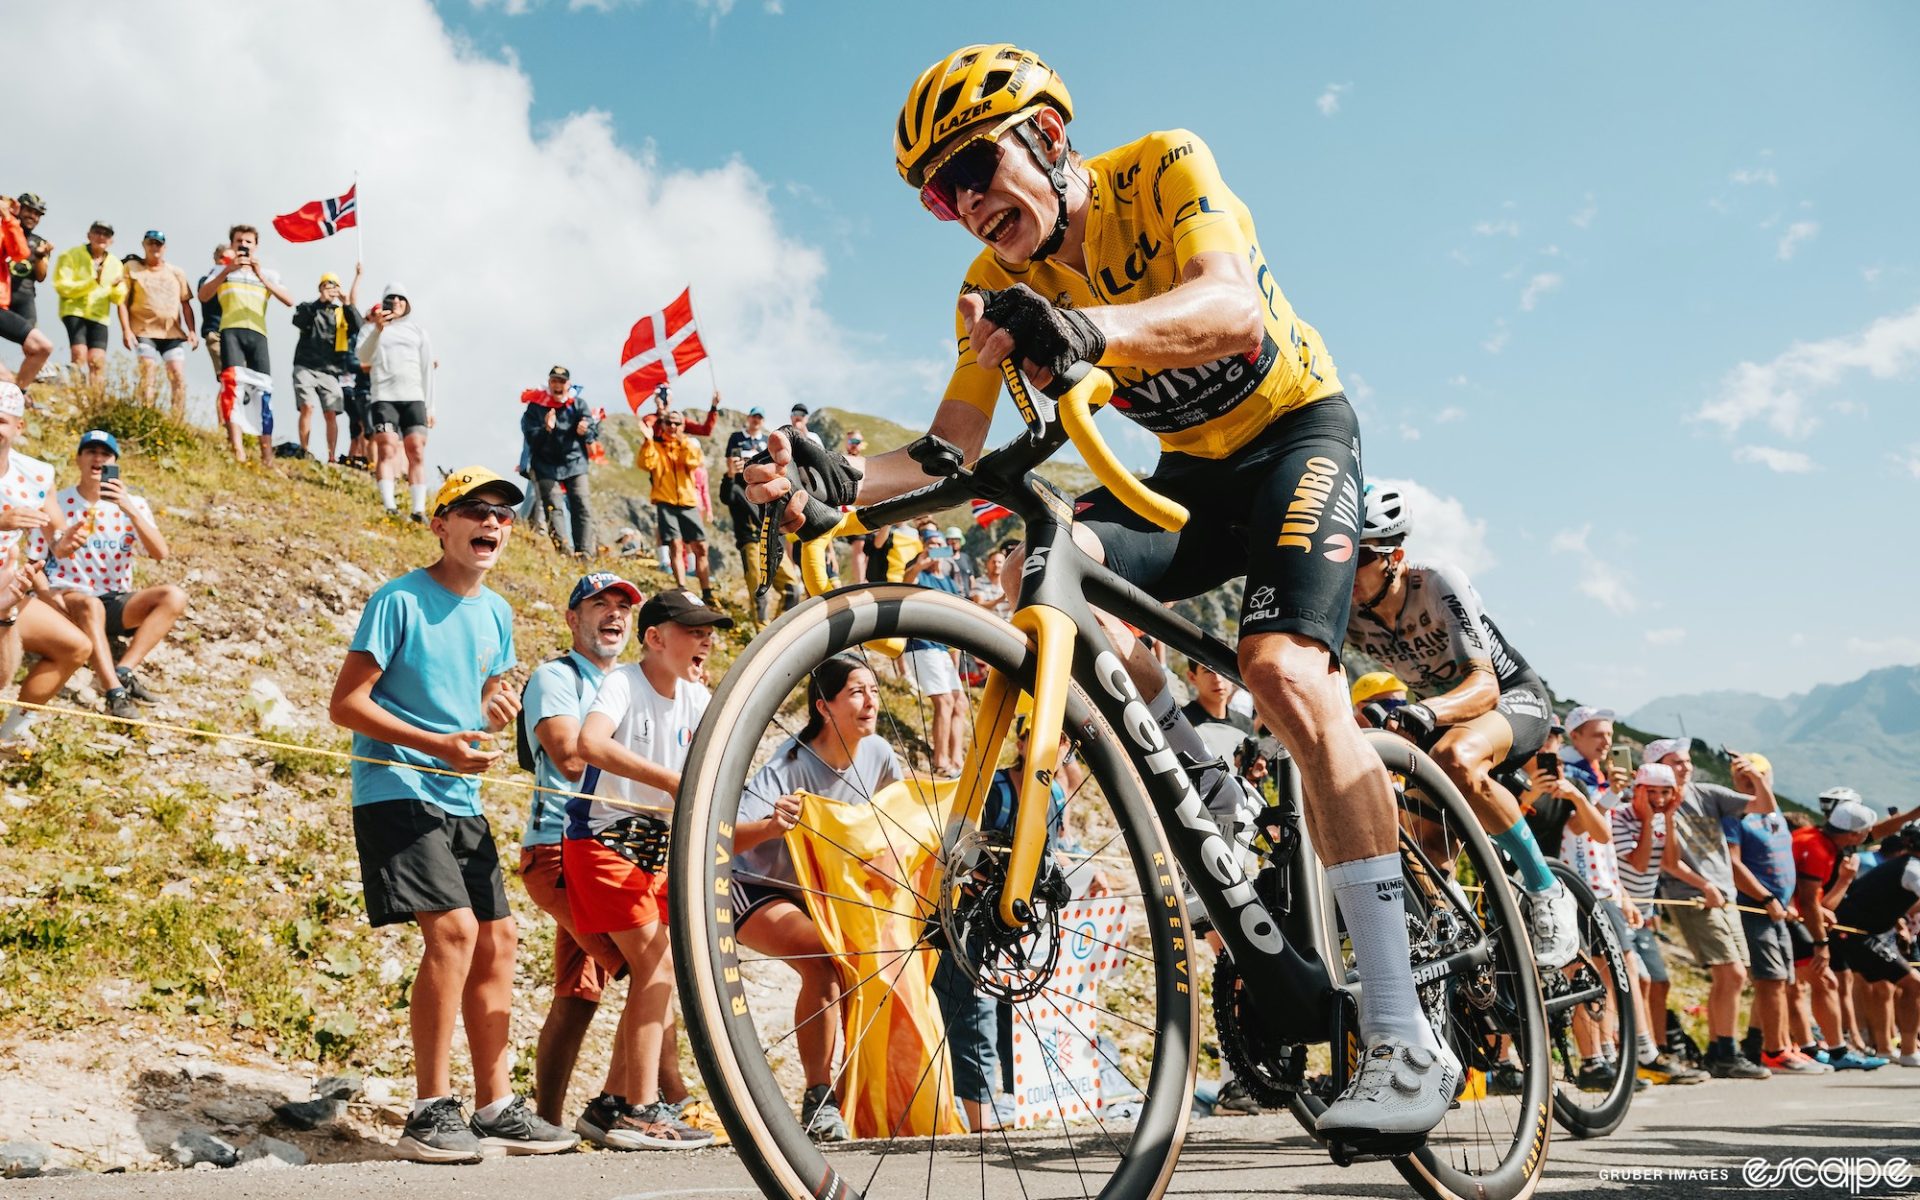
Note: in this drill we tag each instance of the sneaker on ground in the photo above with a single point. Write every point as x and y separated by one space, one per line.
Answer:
1399 1089
1506 1081
661 1124
1233 1098
519 1130
1735 1066
652 1127
1553 919
1639 1084
1596 1076
121 705
1850 1059
820 1116
438 1133
418 518
1665 1068
1791 1062
136 687
1908 1060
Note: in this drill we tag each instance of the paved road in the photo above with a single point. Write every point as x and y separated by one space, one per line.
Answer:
1719 1124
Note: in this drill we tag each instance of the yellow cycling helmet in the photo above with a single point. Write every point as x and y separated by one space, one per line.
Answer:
1375 684
975 85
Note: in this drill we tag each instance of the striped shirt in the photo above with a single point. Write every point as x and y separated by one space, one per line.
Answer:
1626 838
243 298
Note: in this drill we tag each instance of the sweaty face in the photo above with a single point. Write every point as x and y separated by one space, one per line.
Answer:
1015 214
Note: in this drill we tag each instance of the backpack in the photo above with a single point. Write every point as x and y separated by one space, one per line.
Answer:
525 745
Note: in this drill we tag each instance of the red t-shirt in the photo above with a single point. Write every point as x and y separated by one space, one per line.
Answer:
1815 856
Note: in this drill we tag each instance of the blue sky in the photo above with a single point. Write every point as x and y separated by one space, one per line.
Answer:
1542 239
1633 292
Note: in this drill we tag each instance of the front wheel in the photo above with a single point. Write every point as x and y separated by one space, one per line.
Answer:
1057 1061
1589 1005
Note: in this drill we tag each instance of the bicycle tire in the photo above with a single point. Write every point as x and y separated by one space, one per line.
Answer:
1447 1167
1601 955
720 1026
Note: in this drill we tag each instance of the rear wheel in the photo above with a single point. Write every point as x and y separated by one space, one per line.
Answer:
1094 996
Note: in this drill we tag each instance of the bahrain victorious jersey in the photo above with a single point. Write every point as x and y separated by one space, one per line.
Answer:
1156 203
1440 634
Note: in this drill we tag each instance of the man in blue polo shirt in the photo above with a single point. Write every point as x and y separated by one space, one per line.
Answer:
600 618
1765 845
424 686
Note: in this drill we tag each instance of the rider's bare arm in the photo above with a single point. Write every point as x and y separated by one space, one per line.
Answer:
1474 697
883 476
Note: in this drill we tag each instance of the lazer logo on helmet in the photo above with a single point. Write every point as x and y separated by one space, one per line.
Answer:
963 118
1310 498
1215 854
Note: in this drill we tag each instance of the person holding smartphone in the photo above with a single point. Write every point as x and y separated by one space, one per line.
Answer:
399 361
242 285
102 526
29 623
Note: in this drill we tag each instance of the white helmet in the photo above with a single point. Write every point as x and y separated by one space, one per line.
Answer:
1389 516
1835 796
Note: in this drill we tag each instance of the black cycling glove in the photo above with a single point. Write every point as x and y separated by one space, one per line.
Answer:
1415 722
1043 333
827 477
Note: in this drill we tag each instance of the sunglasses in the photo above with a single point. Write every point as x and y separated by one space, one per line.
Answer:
1374 553
971 166
480 510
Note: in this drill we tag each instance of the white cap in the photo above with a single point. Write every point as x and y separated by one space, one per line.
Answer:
1659 748
953 533
1654 774
1851 816
396 288
1587 712
13 401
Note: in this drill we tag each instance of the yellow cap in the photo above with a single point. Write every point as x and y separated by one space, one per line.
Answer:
1376 684
1760 763
330 277
469 480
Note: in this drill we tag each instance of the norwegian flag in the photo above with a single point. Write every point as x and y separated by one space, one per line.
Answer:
986 512
319 219
662 347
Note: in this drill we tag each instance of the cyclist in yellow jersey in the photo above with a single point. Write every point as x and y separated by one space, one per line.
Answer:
1142 260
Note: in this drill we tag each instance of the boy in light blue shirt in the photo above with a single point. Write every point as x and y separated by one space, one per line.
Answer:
424 686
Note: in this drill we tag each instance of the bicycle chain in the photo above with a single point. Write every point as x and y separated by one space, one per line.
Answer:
1271 1083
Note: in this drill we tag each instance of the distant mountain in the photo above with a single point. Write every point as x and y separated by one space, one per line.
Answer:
1864 733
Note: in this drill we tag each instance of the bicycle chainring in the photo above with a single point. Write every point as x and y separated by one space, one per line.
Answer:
1270 1070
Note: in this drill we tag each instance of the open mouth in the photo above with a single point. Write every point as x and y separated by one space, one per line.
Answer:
999 226
699 662
613 629
485 543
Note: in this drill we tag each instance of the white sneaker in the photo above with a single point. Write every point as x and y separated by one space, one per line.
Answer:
1553 919
1908 1060
1399 1089
15 727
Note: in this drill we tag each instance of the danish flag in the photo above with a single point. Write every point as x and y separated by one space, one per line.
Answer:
662 347
319 218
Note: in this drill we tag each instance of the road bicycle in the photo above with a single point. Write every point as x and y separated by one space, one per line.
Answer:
1111 1059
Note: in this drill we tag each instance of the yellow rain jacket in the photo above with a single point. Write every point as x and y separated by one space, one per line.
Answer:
80 294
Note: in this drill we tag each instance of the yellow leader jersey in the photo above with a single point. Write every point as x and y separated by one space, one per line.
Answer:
1155 204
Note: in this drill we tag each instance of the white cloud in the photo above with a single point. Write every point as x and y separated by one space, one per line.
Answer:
1358 389
1584 215
1748 176
1538 286
1505 225
1870 274
1409 433
1779 391
1908 460
1786 462
1896 648
1664 637
1458 381
1442 529
1449 415
1498 339
1599 580
1329 100
1796 233
522 245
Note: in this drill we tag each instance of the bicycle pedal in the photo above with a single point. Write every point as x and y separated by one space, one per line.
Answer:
1375 1148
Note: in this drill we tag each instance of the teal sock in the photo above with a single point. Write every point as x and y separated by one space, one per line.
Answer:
1525 852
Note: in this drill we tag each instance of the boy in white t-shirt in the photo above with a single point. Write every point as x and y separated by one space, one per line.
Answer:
28 625
102 526
635 740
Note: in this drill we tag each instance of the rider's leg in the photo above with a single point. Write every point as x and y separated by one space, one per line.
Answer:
1468 754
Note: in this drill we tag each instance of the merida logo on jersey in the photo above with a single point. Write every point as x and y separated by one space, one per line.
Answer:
1310 498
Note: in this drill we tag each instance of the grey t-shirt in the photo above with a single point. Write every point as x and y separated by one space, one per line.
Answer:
1695 827
794 768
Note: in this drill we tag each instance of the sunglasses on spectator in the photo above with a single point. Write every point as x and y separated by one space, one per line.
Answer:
971 167
480 510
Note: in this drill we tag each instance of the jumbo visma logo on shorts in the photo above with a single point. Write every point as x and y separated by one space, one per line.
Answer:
1322 496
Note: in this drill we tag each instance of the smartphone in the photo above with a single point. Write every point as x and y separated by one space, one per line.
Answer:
939 551
1548 763
386 304
1621 758
110 472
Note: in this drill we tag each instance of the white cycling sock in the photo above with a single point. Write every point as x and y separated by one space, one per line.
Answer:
386 493
1181 736
493 1110
420 1105
1370 894
1647 1051
418 494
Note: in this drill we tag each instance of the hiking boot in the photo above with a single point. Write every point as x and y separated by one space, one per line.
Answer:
519 1130
1553 920
820 1116
1735 1066
1596 1076
1399 1089
135 686
1665 1068
121 705
438 1133
1791 1062
1233 1098
1506 1081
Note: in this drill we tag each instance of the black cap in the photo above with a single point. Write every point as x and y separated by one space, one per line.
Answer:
682 608
33 201
559 372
